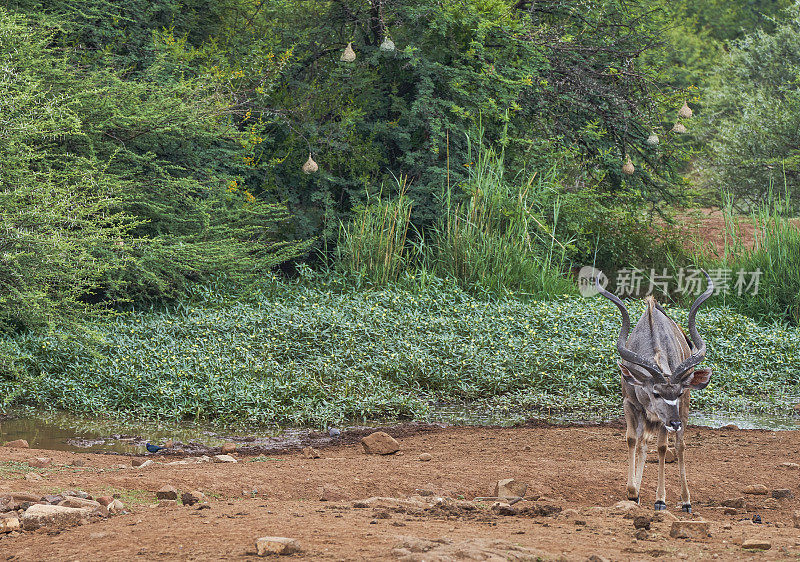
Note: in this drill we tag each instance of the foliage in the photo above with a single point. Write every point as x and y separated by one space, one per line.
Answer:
316 351
775 255
752 115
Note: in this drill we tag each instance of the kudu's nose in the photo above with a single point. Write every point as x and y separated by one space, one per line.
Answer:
675 425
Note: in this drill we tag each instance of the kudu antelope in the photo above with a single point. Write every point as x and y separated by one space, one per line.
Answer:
658 371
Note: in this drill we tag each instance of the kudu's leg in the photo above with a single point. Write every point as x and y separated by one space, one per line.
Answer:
641 457
686 502
661 492
633 436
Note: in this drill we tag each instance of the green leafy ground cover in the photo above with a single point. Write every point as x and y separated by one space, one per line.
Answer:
300 353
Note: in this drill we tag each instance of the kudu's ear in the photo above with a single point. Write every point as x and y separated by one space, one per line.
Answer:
699 379
629 377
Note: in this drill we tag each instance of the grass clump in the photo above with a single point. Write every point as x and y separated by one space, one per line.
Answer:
300 353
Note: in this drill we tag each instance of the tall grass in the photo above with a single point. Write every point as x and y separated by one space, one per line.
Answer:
775 254
494 240
374 245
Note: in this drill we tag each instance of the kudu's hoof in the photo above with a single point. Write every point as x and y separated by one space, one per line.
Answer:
660 506
687 507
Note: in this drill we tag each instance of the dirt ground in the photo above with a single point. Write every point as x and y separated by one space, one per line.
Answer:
580 470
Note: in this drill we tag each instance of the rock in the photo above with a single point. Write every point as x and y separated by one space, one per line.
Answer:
625 506
642 522
782 493
40 462
569 513
76 494
78 462
734 502
597 558
180 462
756 490
689 529
228 448
115 506
79 502
328 493
502 508
379 443
771 503
796 519
105 500
18 443
193 497
664 517
730 426
136 463
276 545
33 477
789 465
756 544
53 499
224 458
640 534
167 492
57 516
415 549
334 432
9 523
167 503
311 453
510 488
426 457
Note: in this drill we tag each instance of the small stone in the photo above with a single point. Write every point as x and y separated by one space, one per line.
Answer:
193 497
228 448
689 529
642 522
40 462
664 516
53 499
9 523
502 508
771 503
756 490
141 463
33 477
79 502
796 519
78 463
22 497
756 544
730 426
115 506
276 545
425 457
224 458
40 515
167 492
76 494
379 443
734 502
597 558
510 488
17 443
311 453
782 493
789 465
640 534
334 432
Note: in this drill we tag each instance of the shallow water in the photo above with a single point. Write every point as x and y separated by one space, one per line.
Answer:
66 432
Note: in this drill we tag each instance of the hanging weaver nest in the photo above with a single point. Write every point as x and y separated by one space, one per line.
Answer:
310 166
387 45
678 128
349 55
685 111
652 140
627 167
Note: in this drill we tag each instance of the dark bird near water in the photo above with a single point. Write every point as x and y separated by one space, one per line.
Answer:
152 448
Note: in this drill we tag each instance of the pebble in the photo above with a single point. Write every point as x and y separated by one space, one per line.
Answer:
18 443
276 545
224 458
40 462
115 506
509 487
334 432
9 523
167 492
641 534
79 502
689 529
796 519
756 544
379 443
734 502
642 522
502 508
311 453
228 448
53 499
193 497
756 490
33 477
40 515
425 457
138 463
782 493
789 465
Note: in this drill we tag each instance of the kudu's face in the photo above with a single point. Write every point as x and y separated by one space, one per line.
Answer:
662 400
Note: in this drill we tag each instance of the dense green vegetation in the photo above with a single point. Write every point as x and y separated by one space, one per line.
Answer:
317 351
472 156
